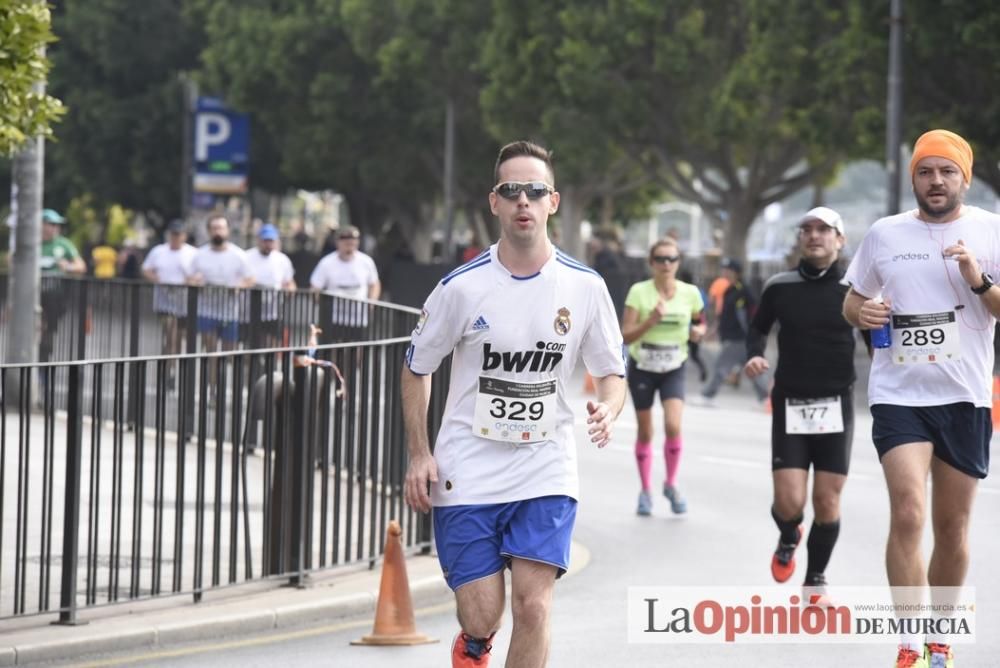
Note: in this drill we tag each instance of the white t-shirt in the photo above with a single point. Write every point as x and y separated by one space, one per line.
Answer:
226 268
172 268
270 271
521 329
901 258
346 279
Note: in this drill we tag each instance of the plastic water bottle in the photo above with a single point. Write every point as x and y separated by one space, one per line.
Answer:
882 337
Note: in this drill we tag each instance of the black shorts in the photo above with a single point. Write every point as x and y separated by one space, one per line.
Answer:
644 385
825 452
960 433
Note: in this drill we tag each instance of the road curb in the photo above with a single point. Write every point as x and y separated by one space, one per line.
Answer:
218 623
202 626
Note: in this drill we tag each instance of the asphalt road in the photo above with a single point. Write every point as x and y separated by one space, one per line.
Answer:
726 538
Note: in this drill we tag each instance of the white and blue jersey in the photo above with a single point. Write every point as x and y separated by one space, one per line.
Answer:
507 432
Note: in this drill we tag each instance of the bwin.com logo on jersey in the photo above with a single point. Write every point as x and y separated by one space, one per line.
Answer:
911 256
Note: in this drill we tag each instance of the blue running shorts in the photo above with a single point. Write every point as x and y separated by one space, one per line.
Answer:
960 433
476 541
227 330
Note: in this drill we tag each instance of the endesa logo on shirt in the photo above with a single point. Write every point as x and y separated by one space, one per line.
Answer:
545 357
910 256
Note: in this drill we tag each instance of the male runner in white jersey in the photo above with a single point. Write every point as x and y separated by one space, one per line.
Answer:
930 392
503 474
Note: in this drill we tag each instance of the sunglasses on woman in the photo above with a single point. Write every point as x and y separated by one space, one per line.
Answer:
663 259
512 189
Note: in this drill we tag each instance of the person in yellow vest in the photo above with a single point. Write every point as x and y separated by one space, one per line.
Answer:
105 259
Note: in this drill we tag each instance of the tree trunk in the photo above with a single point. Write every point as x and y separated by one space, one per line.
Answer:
570 218
738 223
417 232
24 272
607 210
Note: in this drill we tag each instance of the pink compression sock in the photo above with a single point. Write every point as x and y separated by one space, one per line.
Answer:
644 458
672 453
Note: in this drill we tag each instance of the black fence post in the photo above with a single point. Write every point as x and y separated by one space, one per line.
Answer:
83 306
326 318
71 514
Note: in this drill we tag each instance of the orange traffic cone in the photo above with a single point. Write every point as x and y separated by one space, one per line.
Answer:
394 623
996 402
588 383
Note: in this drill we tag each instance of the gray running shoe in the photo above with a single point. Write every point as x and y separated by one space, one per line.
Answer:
677 502
645 504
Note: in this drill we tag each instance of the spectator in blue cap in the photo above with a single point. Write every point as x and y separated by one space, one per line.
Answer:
271 270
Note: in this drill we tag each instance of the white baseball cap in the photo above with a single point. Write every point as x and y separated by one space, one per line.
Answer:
825 215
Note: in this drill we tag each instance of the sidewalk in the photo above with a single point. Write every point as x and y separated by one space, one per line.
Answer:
250 609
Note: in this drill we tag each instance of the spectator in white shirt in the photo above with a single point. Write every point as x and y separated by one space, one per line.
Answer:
168 265
218 267
272 270
348 273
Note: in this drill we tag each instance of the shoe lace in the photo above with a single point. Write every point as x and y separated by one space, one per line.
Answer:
907 658
477 647
938 654
785 552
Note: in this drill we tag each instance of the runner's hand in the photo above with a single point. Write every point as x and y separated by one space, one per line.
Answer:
599 423
967 263
661 309
696 333
874 313
422 469
755 366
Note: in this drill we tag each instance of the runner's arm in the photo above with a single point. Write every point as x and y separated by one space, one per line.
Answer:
632 328
416 393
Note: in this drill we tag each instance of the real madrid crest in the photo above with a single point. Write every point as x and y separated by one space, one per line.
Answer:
562 323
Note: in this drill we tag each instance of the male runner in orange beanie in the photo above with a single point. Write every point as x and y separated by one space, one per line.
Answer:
930 392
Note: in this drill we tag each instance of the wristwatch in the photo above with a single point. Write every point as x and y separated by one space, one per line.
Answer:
987 284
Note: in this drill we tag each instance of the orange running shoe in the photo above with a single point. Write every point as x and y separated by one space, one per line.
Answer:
783 561
469 652
909 658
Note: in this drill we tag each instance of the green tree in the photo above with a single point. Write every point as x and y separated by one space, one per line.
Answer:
952 59
25 112
118 65
292 67
424 54
524 55
730 105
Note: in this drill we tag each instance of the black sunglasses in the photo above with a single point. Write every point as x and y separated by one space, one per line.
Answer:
663 259
512 189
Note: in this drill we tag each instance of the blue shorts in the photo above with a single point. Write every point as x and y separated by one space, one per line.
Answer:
643 385
476 541
227 330
960 433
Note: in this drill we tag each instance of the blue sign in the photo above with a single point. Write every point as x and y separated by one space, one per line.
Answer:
221 148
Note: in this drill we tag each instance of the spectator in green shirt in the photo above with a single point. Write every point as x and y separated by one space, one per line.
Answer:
58 257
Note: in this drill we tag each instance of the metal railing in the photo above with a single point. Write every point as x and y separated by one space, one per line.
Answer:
87 318
138 477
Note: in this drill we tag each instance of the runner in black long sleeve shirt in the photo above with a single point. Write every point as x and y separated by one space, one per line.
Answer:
813 412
